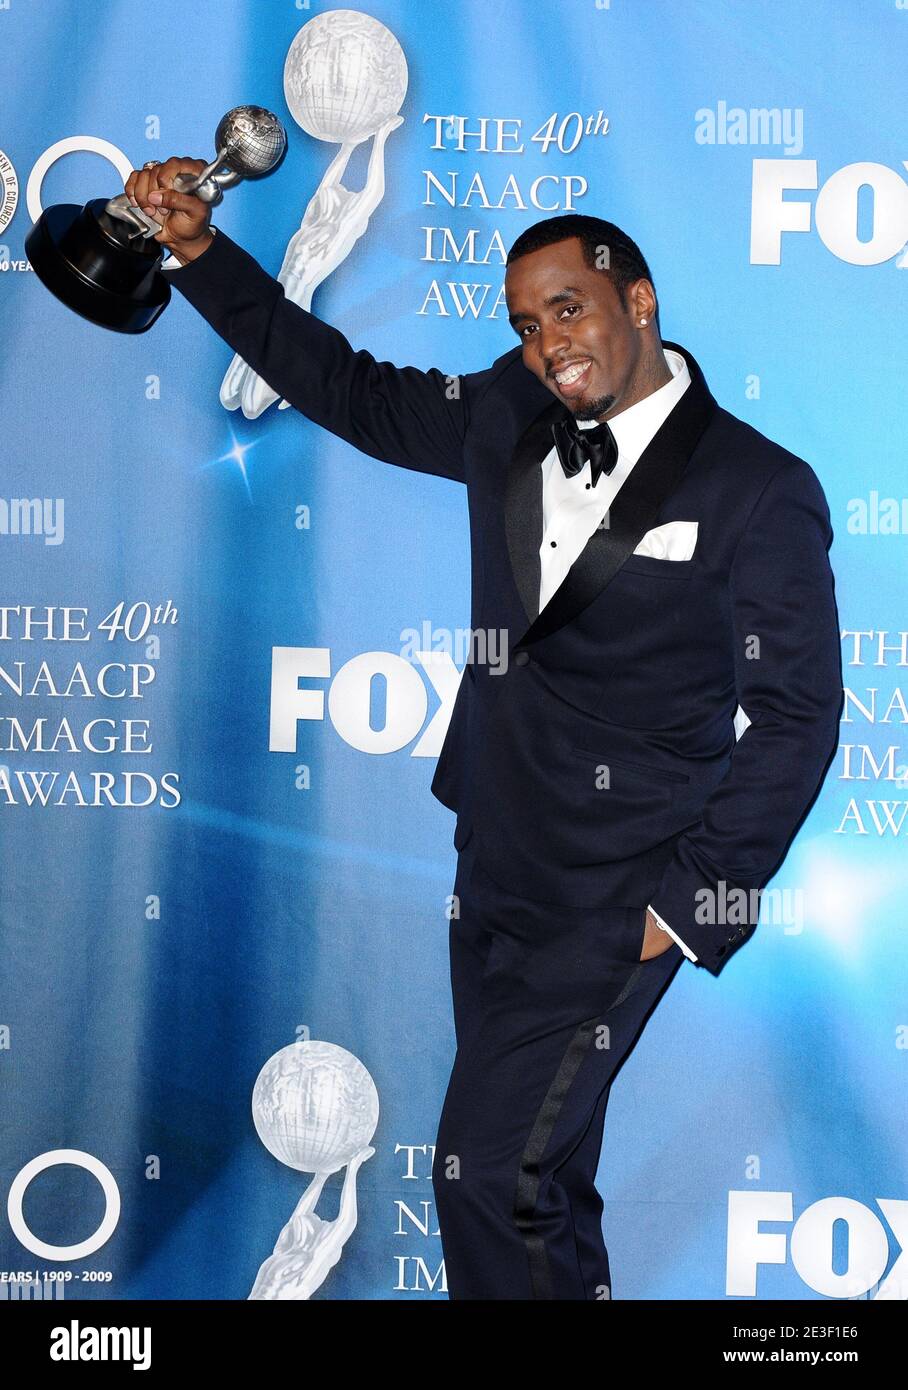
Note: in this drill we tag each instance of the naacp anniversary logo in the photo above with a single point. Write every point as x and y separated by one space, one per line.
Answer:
9 191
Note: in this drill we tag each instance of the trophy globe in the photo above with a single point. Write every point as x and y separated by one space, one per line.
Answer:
250 141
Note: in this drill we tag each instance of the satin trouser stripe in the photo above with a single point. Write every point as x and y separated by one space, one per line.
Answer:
527 1194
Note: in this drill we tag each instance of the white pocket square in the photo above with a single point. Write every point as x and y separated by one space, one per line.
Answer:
675 540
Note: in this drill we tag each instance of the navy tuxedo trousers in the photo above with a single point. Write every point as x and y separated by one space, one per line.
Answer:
548 1002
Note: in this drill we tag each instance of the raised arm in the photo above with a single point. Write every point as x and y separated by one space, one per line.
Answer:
402 415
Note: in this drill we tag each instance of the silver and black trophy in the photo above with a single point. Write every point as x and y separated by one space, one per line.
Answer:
102 260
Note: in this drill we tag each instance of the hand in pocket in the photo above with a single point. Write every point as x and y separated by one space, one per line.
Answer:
655 941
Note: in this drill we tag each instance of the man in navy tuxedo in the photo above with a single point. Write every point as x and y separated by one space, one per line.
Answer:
661 572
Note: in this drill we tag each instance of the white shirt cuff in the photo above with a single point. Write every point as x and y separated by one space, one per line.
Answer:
665 927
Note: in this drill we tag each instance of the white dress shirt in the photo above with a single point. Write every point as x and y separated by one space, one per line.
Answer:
572 508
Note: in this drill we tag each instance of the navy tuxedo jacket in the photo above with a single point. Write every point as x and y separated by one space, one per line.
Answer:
600 767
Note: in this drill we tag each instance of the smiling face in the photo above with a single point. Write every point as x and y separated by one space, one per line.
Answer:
591 351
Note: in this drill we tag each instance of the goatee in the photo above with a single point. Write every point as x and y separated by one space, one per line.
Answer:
591 410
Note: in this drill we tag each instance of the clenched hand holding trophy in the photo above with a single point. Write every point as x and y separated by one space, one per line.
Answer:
103 260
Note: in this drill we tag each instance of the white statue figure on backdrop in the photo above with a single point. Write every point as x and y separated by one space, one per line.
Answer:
345 78
315 1107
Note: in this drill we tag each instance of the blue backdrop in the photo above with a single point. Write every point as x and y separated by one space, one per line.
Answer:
155 956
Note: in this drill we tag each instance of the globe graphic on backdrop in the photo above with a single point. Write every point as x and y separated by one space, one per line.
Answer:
253 139
344 76
314 1106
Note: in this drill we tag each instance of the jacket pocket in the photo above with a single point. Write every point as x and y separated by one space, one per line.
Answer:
640 769
661 569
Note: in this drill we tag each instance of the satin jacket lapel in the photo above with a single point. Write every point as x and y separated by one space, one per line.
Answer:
654 476
523 505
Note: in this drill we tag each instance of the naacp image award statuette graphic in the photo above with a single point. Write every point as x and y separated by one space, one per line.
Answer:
315 1107
102 260
345 78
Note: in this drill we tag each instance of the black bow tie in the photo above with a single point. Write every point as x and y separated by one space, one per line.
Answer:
575 446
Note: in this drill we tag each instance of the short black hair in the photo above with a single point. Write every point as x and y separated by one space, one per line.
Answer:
626 262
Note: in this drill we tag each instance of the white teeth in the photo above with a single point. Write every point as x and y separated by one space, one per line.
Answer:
571 374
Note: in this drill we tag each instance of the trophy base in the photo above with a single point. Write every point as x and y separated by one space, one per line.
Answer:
79 259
